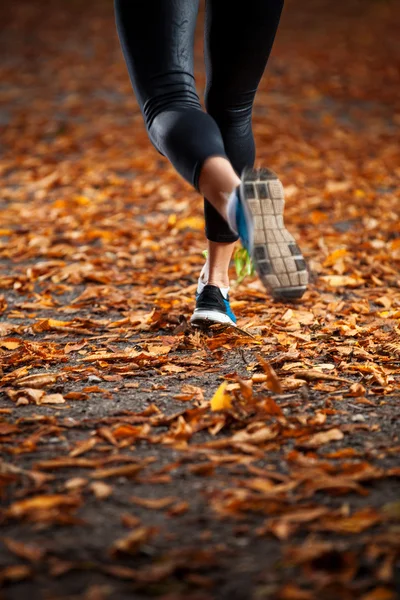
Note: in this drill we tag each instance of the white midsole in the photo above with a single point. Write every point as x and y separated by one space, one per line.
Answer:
211 315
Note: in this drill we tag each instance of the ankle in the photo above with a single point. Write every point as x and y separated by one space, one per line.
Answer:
218 281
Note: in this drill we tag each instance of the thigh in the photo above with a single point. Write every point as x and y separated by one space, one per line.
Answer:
238 39
157 39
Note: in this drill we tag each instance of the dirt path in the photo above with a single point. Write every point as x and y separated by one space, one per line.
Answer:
117 478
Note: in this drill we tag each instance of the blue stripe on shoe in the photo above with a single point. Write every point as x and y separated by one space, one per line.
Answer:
229 310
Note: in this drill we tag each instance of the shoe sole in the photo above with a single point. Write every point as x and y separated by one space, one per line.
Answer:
276 256
204 318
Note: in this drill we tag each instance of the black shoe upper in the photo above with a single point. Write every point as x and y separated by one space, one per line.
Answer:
211 298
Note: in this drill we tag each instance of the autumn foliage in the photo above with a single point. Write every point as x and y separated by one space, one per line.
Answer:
141 457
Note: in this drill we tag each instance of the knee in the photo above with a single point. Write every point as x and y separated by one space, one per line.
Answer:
178 97
230 111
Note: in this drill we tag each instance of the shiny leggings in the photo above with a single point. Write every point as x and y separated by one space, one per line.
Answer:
157 39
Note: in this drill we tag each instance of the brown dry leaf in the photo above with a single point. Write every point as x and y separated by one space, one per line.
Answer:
15 573
357 390
314 375
273 382
131 543
259 377
76 483
190 392
73 347
309 550
121 572
45 502
7 429
263 434
157 350
336 281
305 515
28 551
333 485
76 396
380 593
178 509
153 503
83 447
203 469
37 380
127 431
323 437
100 489
65 462
129 521
269 406
52 399
246 388
356 523
28 394
122 471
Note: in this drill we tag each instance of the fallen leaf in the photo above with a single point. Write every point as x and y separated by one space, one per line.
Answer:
131 543
122 471
273 382
38 380
153 503
28 551
101 490
356 523
42 503
15 573
221 399
323 437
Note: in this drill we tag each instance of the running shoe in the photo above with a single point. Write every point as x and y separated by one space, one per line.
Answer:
259 223
212 307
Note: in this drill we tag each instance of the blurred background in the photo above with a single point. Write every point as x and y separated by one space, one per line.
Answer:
327 119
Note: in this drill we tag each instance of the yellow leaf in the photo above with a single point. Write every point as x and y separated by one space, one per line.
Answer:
359 193
171 220
221 400
84 200
10 344
56 323
190 223
334 256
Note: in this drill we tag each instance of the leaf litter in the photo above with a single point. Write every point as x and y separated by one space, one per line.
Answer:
179 462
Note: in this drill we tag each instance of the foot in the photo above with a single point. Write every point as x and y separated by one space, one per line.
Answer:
257 212
212 307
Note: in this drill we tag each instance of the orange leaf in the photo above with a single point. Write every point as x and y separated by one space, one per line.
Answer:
273 382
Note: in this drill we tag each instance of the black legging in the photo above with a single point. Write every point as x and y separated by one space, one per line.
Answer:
157 39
